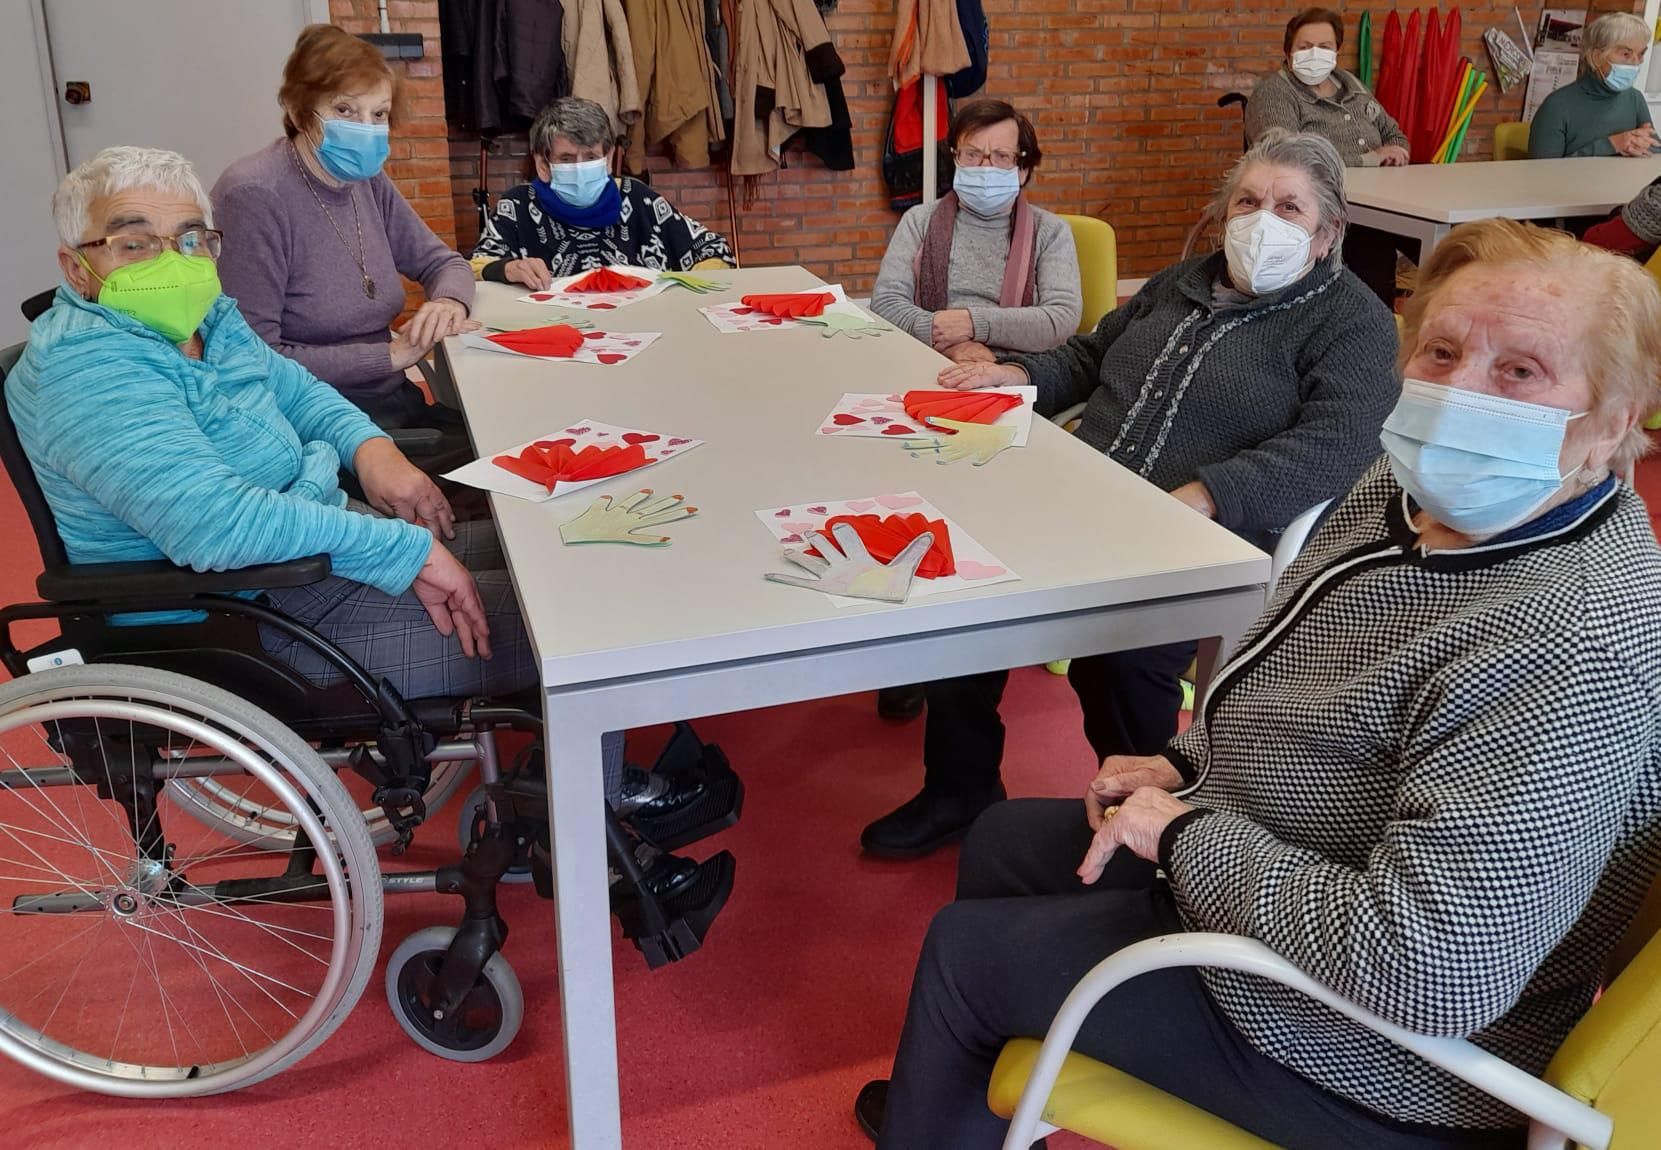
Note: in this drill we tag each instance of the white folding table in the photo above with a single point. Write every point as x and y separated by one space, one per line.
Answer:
629 636
1425 201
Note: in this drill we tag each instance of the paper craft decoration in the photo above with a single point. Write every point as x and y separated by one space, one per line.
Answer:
843 567
583 453
692 283
606 348
603 289
621 520
961 406
972 564
979 443
885 536
607 280
834 324
741 317
877 416
790 305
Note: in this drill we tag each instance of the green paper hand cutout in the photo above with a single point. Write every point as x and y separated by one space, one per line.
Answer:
977 442
851 571
609 520
692 283
852 326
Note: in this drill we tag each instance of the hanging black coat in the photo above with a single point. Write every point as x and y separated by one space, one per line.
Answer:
503 62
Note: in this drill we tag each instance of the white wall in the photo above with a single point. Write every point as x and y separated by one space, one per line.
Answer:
28 171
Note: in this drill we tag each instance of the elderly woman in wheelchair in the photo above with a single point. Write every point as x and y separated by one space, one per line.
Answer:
1429 778
182 480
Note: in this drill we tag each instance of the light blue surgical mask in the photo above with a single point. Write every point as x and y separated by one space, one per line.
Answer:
986 190
352 150
1621 76
579 184
1480 464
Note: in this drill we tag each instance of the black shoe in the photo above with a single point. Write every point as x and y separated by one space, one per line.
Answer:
663 874
926 823
653 794
902 704
870 1105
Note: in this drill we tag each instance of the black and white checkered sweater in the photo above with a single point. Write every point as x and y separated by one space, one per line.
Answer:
1433 783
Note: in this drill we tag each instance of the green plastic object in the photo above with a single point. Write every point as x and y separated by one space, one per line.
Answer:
1364 51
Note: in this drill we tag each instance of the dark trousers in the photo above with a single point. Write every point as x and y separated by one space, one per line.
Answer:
1131 700
1371 255
997 963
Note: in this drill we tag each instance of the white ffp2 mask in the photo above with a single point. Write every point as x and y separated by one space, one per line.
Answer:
1265 252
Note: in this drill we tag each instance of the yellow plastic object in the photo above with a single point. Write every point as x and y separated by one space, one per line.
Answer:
1113 1108
1511 141
1058 667
1098 263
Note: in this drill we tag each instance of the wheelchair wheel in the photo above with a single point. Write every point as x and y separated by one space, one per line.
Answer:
272 827
471 824
488 1020
148 956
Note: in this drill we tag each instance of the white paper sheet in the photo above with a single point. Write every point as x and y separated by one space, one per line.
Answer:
557 296
875 415
598 347
486 475
734 317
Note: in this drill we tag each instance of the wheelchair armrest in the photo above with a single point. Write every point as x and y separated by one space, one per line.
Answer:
159 579
416 440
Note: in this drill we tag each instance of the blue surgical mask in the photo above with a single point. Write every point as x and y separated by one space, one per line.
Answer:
1479 464
352 150
986 190
1621 77
579 184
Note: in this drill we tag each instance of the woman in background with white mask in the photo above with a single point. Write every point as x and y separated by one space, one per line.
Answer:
574 217
1602 113
1250 384
982 270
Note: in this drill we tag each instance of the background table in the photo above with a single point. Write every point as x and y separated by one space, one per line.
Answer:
1425 201
631 636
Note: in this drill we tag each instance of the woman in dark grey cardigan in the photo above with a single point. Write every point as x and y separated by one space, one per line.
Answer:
1250 384
1429 776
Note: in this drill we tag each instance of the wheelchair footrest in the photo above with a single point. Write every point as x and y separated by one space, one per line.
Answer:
716 809
688 914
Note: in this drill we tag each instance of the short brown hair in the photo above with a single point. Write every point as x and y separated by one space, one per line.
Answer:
327 61
1314 16
985 113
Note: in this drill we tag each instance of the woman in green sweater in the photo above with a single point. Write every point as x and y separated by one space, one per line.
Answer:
1602 113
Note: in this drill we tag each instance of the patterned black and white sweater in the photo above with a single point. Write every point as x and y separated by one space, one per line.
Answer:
1432 781
650 233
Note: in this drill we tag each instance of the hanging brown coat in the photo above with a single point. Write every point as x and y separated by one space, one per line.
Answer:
782 59
928 37
677 83
600 59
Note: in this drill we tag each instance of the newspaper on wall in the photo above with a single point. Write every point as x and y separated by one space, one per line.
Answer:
1556 56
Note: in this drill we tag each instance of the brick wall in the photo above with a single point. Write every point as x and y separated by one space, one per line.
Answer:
1123 92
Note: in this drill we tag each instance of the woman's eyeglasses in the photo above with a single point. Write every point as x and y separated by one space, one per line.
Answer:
135 247
975 158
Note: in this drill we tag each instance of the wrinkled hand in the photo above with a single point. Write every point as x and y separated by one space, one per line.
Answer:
396 487
1392 156
972 376
1120 776
952 327
1137 824
446 589
976 442
851 571
1196 495
836 323
692 283
970 352
531 272
1636 142
432 321
609 520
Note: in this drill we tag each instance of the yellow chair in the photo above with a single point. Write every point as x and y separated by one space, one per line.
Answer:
1511 141
1598 1092
1098 262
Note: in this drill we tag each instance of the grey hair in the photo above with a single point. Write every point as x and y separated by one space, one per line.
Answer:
1611 29
581 121
1308 153
121 169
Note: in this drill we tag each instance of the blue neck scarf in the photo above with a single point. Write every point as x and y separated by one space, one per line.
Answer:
602 213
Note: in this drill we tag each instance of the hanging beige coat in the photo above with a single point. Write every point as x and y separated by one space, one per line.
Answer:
783 56
599 59
928 37
677 83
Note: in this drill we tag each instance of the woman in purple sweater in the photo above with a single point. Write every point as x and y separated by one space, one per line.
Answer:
316 236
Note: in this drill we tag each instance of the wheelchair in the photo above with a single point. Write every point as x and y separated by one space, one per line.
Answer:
190 892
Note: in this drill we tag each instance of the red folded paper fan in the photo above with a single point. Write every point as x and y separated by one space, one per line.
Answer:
558 340
606 280
550 462
963 406
791 305
886 536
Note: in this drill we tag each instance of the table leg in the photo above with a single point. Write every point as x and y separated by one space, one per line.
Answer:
582 909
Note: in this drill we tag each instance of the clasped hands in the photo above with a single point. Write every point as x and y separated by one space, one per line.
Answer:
1129 804
1639 141
432 321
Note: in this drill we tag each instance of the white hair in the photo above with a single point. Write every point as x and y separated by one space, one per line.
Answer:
1611 29
116 170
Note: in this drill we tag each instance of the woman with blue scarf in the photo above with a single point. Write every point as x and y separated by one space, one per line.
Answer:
574 217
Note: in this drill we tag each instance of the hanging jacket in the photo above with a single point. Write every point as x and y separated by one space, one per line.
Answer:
504 61
677 83
977 38
784 57
600 59
928 38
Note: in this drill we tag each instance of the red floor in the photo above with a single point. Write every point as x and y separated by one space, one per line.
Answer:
758 1041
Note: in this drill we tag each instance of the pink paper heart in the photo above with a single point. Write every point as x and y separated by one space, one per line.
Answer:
898 429
843 419
639 437
818 510
678 441
894 398
603 435
743 311
610 357
969 569
773 322
631 343
895 502
783 513
578 430
541 296
861 505
872 403
798 527
879 420
790 539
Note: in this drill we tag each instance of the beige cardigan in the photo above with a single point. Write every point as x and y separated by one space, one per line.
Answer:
600 59
782 46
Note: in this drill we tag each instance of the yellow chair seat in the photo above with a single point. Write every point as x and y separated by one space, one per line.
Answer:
1113 1108
1098 263
1511 141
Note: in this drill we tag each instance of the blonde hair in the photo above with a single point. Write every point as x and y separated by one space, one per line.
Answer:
1623 344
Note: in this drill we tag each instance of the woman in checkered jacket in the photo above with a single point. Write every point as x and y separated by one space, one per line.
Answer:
1430 775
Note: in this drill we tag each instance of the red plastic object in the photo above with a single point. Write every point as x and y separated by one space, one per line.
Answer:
558 340
551 462
963 406
604 280
885 537
790 305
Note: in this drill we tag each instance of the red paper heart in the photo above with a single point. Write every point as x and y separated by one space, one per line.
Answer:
639 437
610 357
790 539
845 420
562 442
578 430
595 335
677 441
743 311
773 322
897 429
602 306
541 296
816 510
782 514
